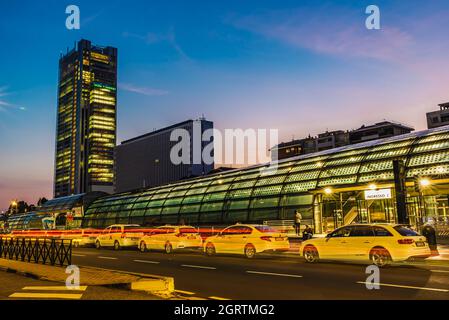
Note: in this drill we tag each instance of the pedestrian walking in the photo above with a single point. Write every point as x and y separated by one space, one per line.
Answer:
298 218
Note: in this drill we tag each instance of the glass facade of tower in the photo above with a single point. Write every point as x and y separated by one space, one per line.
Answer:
330 188
86 120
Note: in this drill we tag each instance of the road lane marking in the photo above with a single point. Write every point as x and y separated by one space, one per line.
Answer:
147 261
275 274
403 287
198 267
55 288
32 295
217 298
185 292
108 258
78 255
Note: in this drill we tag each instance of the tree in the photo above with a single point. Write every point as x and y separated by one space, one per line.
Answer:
17 207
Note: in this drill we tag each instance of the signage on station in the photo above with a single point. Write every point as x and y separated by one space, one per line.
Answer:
377 194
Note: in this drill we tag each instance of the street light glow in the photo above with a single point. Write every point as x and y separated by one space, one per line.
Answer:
372 186
424 182
328 190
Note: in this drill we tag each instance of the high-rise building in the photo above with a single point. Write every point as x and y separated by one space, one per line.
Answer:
86 120
438 118
146 161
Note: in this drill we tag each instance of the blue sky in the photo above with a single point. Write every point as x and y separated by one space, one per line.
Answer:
299 66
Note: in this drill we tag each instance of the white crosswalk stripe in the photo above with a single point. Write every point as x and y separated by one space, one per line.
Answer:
50 292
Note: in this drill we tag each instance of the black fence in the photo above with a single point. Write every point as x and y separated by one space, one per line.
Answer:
45 251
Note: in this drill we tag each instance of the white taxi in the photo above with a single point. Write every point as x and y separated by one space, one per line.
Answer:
169 238
119 235
379 243
246 239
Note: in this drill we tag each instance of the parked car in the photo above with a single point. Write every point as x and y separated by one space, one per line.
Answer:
83 237
246 239
380 244
170 238
119 235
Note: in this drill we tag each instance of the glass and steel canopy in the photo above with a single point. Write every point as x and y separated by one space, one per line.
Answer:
269 192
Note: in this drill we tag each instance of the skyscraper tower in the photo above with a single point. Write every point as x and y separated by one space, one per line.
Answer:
86 120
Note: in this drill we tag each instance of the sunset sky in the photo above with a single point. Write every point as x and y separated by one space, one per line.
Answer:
298 66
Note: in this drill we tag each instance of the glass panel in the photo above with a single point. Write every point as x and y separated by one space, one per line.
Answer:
211 217
214 196
377 166
339 171
212 206
155 203
196 191
378 176
307 175
152 211
193 199
244 193
169 219
429 158
264 214
335 181
351 159
299 187
264 191
219 187
431 146
265 202
191 208
236 216
387 154
173 201
442 169
434 137
170 210
270 180
241 185
239 204
387 146
136 213
140 205
299 200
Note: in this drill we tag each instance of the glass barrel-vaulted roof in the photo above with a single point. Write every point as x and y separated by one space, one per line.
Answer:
263 189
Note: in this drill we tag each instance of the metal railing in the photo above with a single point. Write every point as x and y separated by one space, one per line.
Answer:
45 251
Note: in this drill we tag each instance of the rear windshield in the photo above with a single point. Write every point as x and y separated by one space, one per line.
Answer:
405 231
265 229
132 228
187 230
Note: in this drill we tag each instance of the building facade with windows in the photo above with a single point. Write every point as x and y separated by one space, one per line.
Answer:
145 161
86 120
330 188
438 118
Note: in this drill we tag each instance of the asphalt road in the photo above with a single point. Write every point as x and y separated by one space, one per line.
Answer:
271 277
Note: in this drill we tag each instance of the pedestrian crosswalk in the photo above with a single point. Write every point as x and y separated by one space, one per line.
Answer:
50 292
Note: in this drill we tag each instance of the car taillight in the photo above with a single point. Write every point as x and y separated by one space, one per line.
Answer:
406 241
266 238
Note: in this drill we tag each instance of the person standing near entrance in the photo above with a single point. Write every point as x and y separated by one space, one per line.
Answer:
429 232
298 218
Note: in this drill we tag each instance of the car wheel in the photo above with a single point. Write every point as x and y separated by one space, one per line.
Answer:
380 257
168 248
210 249
310 254
250 251
97 244
142 246
116 245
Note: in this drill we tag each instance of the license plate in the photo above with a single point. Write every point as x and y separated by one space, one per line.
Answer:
134 239
279 239
420 244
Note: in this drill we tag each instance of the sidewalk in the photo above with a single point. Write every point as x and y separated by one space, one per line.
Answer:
161 286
